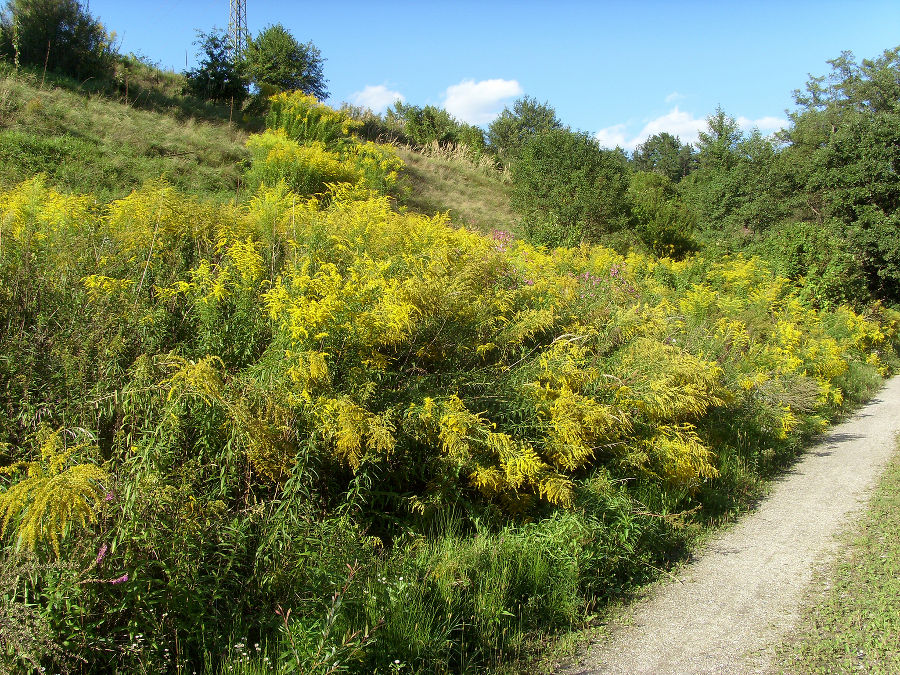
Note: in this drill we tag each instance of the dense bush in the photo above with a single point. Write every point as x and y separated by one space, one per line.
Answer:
58 33
275 61
425 125
666 155
568 190
304 435
512 128
217 77
660 216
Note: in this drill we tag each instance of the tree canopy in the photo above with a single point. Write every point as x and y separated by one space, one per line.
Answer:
274 61
666 155
568 188
512 128
217 78
60 33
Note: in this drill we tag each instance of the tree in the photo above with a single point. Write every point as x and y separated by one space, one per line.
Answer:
741 186
217 78
568 189
717 147
666 155
845 152
512 128
274 61
662 219
430 124
60 33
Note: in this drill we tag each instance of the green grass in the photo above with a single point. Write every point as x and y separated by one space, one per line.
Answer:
853 621
89 143
475 198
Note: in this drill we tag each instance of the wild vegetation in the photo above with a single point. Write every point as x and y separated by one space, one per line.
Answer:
852 620
302 427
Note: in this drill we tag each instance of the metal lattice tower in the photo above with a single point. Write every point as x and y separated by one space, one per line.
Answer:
237 28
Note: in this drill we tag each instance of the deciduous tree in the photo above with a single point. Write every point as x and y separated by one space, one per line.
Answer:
275 61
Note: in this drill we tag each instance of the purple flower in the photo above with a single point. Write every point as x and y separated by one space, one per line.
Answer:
120 580
101 554
109 496
502 239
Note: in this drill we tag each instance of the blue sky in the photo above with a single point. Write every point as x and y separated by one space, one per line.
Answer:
620 70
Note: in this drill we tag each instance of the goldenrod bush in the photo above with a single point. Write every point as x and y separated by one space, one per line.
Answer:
283 387
308 146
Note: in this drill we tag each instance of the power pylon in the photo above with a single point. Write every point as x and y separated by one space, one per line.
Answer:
237 28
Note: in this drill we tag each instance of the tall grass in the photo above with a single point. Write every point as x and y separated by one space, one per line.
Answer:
88 143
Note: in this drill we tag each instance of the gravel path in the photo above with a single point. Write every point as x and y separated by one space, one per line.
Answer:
730 607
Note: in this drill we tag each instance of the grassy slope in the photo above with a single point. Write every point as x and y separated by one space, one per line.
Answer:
853 622
472 197
91 143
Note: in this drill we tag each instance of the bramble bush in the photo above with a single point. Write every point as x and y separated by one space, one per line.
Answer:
360 439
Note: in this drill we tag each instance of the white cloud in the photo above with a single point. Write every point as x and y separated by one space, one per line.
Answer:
479 102
613 136
674 96
767 124
682 124
376 97
676 122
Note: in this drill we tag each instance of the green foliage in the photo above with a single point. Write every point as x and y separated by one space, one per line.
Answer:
60 33
27 638
568 190
512 128
217 77
663 220
274 62
665 154
742 185
844 149
425 125
819 255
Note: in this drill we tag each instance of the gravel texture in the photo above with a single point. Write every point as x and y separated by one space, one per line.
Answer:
729 608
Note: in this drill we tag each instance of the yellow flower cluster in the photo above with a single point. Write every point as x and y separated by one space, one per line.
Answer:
469 360
309 146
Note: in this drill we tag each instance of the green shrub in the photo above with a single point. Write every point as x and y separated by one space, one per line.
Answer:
661 218
216 78
568 190
60 33
819 255
512 128
429 124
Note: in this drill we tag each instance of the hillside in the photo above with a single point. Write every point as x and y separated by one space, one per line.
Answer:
91 143
290 400
96 142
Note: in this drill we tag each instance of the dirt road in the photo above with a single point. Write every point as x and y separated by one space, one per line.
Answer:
730 607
